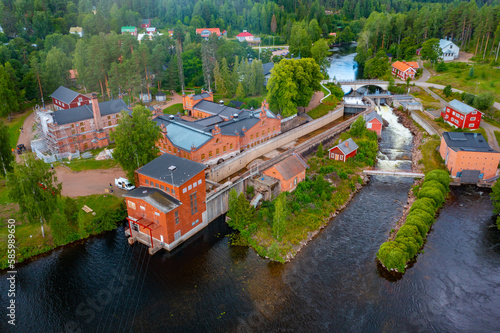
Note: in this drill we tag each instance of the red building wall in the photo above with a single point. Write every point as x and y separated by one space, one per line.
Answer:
470 121
75 103
336 154
376 126
187 218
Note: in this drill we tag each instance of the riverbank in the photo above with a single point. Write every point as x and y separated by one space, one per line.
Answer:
107 210
328 187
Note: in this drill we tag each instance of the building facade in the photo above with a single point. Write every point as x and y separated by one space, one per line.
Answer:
374 122
343 151
216 137
290 172
469 153
461 115
64 98
404 70
82 128
450 50
206 32
146 23
168 205
129 31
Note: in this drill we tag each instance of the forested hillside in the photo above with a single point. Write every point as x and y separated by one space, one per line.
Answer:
37 50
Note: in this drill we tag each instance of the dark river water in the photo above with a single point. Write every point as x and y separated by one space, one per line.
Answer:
333 285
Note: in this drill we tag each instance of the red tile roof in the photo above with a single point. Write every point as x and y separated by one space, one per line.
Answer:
244 34
403 66
212 31
291 167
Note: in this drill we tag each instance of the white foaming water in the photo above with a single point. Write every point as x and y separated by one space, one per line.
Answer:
395 148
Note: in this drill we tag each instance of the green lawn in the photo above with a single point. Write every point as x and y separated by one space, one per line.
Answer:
322 109
486 78
89 164
15 125
431 159
174 109
427 100
497 135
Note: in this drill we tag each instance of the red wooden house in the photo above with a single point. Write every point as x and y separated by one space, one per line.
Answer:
374 122
168 205
461 115
64 98
343 150
146 23
404 70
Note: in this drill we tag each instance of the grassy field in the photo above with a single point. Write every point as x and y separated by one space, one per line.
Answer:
322 109
486 78
89 164
174 109
29 240
431 159
15 125
427 100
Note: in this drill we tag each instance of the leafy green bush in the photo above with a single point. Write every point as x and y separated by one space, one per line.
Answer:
425 204
393 255
435 184
410 231
441 176
433 193
423 215
411 245
418 223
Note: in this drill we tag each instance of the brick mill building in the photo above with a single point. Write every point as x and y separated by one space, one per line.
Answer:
404 70
168 205
64 98
220 132
81 128
343 150
468 156
290 172
461 115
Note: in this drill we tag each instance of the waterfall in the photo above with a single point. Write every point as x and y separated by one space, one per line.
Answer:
395 147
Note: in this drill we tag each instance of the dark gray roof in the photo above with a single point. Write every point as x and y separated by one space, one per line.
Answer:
159 169
373 115
461 107
65 95
266 68
160 94
237 104
155 197
347 146
84 112
460 141
235 126
216 109
200 96
209 121
145 21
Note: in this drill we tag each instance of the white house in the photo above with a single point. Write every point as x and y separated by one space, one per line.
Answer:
245 36
450 50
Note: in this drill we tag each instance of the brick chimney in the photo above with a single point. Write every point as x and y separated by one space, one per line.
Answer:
96 112
346 144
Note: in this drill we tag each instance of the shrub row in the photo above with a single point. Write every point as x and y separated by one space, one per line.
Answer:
395 254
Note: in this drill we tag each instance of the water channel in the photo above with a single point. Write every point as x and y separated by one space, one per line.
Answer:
333 285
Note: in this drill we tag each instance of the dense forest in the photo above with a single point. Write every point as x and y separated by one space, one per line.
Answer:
37 50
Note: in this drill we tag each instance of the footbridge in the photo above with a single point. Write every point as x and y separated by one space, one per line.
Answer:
356 84
393 173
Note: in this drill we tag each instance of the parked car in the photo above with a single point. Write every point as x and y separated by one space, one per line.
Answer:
21 149
124 184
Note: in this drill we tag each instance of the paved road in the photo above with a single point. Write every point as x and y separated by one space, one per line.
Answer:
490 132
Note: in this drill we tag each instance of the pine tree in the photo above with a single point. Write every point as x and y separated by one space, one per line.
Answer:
240 91
273 25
